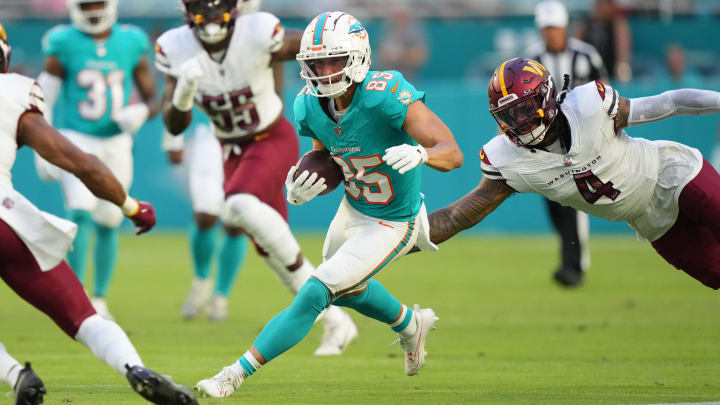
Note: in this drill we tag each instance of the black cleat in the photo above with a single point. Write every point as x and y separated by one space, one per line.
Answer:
158 389
29 388
568 277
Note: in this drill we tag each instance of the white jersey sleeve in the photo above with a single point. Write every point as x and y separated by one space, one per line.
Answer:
173 48
270 31
20 94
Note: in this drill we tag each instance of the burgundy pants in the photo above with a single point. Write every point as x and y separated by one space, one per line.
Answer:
56 292
693 243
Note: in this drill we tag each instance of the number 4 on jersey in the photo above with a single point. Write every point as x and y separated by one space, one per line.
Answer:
587 180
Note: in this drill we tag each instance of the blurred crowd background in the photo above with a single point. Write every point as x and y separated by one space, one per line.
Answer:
448 48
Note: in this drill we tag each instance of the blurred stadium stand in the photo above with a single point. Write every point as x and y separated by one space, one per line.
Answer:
466 39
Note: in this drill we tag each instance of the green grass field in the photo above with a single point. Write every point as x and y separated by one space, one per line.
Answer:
638 332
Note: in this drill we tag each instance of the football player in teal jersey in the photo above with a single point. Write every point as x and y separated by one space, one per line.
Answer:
377 128
92 65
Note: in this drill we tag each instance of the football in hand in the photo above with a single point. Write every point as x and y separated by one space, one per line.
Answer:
320 162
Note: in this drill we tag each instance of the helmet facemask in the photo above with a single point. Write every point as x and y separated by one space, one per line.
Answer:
91 19
212 20
332 85
523 119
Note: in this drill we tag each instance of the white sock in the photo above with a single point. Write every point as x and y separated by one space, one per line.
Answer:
411 327
108 342
292 280
247 365
332 316
9 367
266 226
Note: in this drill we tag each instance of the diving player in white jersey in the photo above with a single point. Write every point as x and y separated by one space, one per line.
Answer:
33 245
91 68
573 150
221 60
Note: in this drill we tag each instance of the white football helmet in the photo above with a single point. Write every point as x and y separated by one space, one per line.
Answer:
95 21
330 35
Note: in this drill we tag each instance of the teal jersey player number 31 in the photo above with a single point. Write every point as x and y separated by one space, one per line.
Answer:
373 123
98 75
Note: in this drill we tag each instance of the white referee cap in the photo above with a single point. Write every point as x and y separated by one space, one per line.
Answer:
551 13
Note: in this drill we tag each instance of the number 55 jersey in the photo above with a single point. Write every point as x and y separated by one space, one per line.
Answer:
605 173
237 90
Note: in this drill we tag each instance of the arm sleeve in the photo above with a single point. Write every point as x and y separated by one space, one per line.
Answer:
671 103
399 95
610 99
36 99
488 170
301 125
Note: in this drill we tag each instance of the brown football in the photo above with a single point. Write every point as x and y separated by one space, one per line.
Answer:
320 162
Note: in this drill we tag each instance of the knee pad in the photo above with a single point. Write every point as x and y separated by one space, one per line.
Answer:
265 225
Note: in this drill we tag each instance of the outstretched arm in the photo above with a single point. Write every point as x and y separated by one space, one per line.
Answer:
36 133
467 211
643 110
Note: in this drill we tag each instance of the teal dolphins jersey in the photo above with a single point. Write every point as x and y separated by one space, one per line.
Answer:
371 124
98 75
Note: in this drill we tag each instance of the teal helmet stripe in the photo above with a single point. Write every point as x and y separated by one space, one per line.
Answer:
317 39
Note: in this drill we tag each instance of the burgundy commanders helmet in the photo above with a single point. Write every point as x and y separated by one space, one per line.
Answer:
522 97
212 20
5 51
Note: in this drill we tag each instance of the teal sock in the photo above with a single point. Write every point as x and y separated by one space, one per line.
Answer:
77 257
106 247
290 326
202 247
375 302
232 255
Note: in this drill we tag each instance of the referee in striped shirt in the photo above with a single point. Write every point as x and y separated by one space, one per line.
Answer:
581 61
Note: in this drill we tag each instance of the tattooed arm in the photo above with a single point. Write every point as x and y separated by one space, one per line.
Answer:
467 211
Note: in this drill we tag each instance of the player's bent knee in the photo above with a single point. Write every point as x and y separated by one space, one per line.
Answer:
313 294
239 209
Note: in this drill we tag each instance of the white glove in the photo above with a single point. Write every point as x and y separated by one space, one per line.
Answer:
304 188
404 158
132 117
190 74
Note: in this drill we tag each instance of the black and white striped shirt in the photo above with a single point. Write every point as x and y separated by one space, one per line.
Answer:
579 59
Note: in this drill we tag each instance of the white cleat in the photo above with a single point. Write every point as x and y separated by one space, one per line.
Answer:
414 346
197 298
101 308
340 330
218 309
222 385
